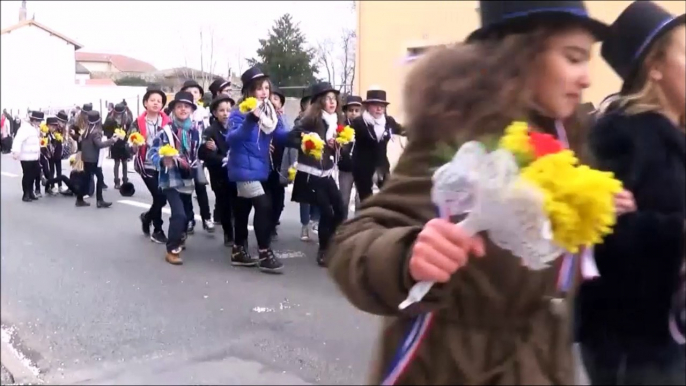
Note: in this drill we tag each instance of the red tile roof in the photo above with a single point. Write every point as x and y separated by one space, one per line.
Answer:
120 62
34 23
99 82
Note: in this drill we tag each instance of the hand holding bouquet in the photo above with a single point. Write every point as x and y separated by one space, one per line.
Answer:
248 105
58 137
119 133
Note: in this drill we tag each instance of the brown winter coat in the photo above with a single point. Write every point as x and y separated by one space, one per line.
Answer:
495 322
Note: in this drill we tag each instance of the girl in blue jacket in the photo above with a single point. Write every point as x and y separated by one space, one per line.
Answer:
249 166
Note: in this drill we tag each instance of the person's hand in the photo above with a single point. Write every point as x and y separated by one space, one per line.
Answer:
168 162
441 249
211 145
183 163
257 111
279 111
331 142
271 148
624 202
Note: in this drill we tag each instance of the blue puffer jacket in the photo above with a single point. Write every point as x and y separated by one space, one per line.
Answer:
249 158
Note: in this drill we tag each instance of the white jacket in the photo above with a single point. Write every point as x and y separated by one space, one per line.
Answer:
27 142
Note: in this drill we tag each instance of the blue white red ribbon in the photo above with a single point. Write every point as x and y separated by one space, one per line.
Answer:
406 352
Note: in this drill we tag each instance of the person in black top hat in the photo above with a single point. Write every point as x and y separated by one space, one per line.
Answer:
527 64
639 137
27 148
220 86
200 115
91 143
53 152
373 129
314 183
118 119
351 109
214 153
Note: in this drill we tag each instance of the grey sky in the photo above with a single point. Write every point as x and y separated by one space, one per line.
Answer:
166 33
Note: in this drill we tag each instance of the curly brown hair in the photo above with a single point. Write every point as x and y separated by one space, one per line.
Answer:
467 91
313 114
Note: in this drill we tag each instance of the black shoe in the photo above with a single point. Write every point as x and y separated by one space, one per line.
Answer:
191 228
158 237
33 196
145 225
241 258
269 263
228 240
26 198
321 261
82 203
105 186
37 194
103 204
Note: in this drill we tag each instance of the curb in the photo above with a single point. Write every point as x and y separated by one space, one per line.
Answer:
5 376
14 367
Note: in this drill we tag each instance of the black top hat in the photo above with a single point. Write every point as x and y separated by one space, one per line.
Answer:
119 108
252 74
376 96
183 97
321 88
218 85
51 121
127 189
499 18
62 116
155 90
219 99
353 100
275 90
631 36
93 117
192 83
87 107
36 115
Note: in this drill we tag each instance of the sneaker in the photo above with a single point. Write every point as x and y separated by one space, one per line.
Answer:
159 237
269 263
103 204
37 194
145 224
241 258
305 233
86 196
315 227
208 226
50 192
321 261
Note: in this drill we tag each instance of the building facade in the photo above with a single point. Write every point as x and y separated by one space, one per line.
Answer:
388 31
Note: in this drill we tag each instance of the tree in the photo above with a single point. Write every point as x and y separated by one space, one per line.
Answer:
284 57
325 60
334 59
130 81
349 46
207 60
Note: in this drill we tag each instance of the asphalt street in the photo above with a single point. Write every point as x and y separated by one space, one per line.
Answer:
88 299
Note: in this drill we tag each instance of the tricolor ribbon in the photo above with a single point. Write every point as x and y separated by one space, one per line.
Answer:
406 352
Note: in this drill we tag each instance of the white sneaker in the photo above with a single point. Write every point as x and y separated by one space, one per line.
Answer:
86 196
315 226
209 225
305 233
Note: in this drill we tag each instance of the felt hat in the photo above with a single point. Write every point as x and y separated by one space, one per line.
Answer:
352 100
277 91
62 116
192 83
154 90
119 108
36 115
51 121
93 117
182 97
376 96
127 189
250 75
321 88
219 99
218 85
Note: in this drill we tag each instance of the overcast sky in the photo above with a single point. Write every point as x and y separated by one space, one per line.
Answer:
167 34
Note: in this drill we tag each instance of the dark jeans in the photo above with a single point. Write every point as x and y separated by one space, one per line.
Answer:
64 179
278 195
181 206
55 171
261 221
44 169
92 169
330 204
124 170
224 196
634 363
159 200
203 202
31 171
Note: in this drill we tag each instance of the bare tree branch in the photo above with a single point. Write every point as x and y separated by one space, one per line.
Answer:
347 61
324 57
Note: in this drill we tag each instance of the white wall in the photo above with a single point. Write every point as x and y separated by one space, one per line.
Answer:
37 70
82 78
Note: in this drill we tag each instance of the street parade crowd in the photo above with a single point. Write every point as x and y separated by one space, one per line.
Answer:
461 303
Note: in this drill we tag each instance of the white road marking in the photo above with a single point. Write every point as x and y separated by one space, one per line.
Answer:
8 174
165 210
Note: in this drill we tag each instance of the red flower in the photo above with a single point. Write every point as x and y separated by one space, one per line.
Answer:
340 128
309 144
544 144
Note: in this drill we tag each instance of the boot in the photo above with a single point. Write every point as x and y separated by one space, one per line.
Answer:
117 184
103 204
82 203
174 257
33 196
269 263
241 258
26 198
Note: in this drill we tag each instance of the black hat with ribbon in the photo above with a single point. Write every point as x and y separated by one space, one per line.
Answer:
36 115
51 121
352 100
218 85
190 83
499 18
93 117
632 35
306 95
183 97
86 107
154 90
62 116
376 96
127 189
277 91
250 75
219 99
321 88
119 108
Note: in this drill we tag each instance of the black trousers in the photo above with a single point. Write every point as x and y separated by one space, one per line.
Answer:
278 195
92 169
159 200
327 199
364 181
225 196
203 202
64 179
30 171
55 167
261 220
43 170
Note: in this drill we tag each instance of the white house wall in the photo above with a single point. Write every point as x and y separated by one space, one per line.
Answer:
36 71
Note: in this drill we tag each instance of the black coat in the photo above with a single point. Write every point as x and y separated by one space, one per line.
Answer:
345 161
213 159
369 154
119 150
295 140
639 263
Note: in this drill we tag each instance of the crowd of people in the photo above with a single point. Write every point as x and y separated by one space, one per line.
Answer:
489 319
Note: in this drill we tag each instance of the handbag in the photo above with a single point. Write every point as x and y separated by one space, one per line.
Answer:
249 189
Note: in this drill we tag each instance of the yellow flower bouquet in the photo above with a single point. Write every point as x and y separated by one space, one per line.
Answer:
136 139
44 128
291 174
248 105
312 145
58 137
168 151
344 135
121 133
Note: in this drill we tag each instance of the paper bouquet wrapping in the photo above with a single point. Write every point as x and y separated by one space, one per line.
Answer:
43 142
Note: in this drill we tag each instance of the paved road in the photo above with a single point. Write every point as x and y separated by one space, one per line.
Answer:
90 300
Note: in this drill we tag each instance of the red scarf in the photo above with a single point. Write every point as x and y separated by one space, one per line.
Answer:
143 128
